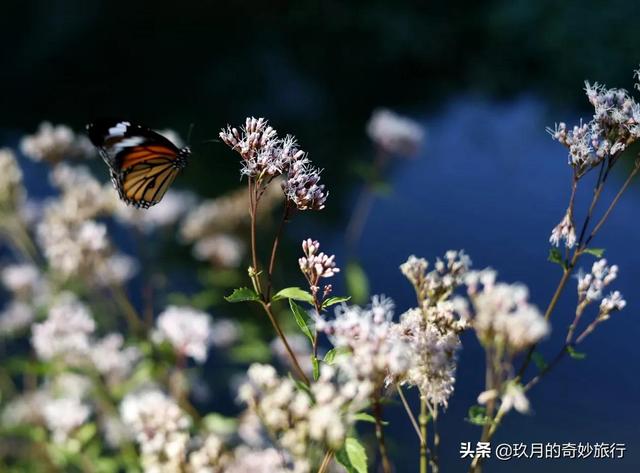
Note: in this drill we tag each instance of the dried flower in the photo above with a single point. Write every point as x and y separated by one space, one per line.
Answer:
316 266
188 330
394 133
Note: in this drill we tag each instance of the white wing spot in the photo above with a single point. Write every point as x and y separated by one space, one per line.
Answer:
120 129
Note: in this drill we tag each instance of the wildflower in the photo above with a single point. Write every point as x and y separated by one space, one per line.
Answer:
209 457
167 212
377 355
112 359
187 330
590 285
222 250
224 332
565 230
514 397
66 331
265 156
16 317
64 415
432 356
55 143
268 460
503 315
394 133
114 270
316 266
613 302
21 278
613 127
159 426
11 190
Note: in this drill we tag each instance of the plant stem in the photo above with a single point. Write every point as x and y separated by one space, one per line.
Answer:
274 248
377 414
276 326
407 408
326 461
423 419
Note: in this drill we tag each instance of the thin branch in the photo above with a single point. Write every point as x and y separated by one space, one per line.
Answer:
382 448
412 418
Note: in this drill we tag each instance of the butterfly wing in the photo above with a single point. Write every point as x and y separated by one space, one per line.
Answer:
142 163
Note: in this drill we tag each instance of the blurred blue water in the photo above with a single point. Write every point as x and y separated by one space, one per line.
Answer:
491 181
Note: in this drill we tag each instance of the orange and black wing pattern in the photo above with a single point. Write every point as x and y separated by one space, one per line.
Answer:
143 164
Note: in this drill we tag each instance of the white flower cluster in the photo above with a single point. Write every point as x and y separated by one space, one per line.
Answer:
66 333
378 356
214 224
11 190
614 126
316 266
266 156
394 133
502 315
565 230
591 285
433 356
296 418
112 359
56 143
167 212
188 330
437 284
160 427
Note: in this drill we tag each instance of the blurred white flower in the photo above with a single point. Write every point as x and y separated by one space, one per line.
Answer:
591 285
16 317
21 278
167 212
223 250
301 349
611 303
66 331
112 358
394 133
188 330
115 269
159 426
209 457
224 333
514 397
62 416
55 143
269 460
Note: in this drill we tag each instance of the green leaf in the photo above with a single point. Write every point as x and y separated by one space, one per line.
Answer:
357 282
597 252
316 368
86 432
478 416
539 361
352 456
330 356
301 386
300 317
364 417
576 355
555 256
242 294
219 424
334 300
293 293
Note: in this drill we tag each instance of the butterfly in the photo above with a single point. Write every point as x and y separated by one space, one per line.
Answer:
142 163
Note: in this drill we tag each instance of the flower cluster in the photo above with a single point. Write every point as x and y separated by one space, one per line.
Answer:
591 285
612 129
160 427
394 133
502 315
187 330
266 156
56 143
565 230
316 266
297 418
377 355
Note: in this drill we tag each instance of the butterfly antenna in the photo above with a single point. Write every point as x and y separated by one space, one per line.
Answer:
214 140
189 133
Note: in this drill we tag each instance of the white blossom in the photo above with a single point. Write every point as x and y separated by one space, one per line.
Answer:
16 317
188 330
55 143
591 285
112 358
64 415
394 133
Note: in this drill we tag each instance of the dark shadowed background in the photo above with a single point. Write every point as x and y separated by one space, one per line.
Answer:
485 78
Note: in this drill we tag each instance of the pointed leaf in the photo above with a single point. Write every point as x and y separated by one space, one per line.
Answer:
334 300
555 256
316 368
357 283
293 293
478 416
330 356
364 417
597 252
539 361
352 456
576 355
301 319
242 294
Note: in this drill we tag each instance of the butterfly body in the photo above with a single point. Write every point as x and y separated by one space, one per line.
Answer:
142 163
